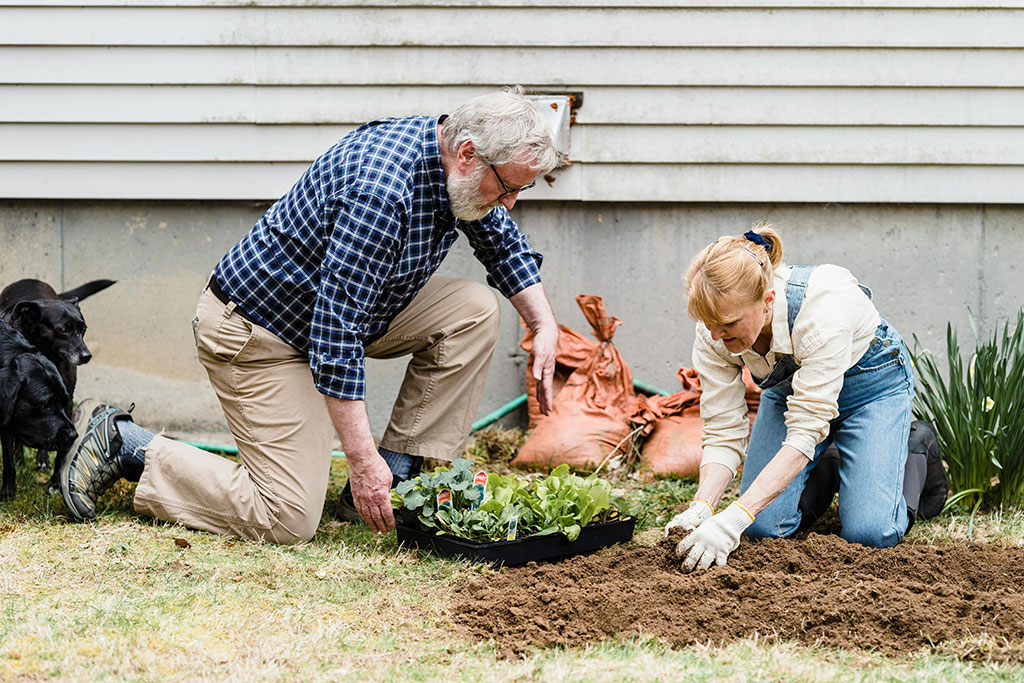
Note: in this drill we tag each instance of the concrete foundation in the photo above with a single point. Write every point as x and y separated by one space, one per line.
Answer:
927 264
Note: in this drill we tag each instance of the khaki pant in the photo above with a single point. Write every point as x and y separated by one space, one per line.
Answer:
280 421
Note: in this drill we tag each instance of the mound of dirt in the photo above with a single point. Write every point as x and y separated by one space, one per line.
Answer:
817 590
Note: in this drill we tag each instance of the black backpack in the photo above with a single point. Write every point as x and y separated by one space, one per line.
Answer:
936 483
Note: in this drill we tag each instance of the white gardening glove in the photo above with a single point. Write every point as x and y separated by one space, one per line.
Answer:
692 517
713 540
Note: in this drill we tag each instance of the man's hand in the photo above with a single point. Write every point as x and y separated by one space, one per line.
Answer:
545 346
367 471
692 517
715 538
371 492
532 304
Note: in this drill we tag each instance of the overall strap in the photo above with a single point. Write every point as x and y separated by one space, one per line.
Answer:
795 290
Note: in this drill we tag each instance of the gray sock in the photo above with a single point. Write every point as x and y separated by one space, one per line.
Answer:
401 465
134 440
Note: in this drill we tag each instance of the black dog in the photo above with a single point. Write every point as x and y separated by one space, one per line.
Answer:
53 323
33 402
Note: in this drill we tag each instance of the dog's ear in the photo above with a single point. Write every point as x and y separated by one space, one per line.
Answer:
72 300
11 383
25 312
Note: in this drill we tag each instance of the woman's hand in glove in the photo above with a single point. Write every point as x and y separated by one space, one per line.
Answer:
713 540
692 517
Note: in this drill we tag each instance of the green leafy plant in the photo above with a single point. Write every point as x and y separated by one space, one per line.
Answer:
563 503
978 413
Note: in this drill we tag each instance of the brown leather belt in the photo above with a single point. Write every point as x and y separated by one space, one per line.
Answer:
224 298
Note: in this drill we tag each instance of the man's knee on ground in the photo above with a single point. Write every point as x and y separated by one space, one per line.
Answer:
296 525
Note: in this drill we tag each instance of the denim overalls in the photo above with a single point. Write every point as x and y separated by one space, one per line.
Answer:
870 433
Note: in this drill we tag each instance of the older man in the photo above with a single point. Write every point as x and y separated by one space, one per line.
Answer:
340 268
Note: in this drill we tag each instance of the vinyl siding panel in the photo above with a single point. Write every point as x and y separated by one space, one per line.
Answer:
626 105
740 101
543 27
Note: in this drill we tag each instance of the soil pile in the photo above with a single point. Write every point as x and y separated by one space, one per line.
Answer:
817 590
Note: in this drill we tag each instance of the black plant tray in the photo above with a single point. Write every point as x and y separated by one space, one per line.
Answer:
521 550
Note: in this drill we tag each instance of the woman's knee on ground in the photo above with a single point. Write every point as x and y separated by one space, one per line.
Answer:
874 533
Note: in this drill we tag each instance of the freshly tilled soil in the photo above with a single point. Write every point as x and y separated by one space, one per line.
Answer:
817 590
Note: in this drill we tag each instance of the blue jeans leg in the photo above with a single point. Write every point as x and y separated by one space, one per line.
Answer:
782 517
871 436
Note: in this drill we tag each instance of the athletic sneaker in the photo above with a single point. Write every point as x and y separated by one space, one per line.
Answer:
94 462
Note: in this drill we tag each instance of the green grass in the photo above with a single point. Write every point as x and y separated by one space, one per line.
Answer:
126 598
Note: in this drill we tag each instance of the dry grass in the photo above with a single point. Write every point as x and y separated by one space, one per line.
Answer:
126 598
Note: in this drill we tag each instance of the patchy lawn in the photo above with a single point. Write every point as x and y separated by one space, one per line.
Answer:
126 598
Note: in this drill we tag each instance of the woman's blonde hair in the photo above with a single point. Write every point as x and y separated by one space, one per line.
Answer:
732 272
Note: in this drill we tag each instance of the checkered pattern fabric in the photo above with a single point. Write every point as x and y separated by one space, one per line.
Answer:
329 266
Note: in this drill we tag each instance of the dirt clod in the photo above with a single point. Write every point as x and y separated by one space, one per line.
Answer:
818 590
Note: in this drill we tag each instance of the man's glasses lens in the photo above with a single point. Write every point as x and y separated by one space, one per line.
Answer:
509 190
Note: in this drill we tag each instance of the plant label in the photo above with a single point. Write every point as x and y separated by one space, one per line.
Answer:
444 499
513 526
480 484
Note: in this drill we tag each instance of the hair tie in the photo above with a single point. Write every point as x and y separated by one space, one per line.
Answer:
757 239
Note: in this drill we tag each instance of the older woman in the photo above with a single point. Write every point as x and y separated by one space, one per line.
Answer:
832 370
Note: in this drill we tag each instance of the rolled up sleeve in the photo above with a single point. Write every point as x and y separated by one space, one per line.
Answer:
722 404
356 265
823 357
511 263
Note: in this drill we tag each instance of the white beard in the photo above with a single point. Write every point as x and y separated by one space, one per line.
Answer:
464 195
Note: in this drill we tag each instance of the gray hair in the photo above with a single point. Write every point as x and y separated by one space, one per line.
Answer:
505 128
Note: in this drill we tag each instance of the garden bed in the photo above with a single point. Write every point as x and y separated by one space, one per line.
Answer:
817 590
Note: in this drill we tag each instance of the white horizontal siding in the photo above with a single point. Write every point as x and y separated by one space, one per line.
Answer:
625 105
591 144
751 100
584 4
525 27
546 67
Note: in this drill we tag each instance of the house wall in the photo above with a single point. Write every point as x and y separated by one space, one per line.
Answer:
140 139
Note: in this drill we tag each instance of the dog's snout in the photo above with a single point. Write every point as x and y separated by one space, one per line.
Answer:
67 436
83 358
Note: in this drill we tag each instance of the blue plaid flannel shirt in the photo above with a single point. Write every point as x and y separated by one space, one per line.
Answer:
330 265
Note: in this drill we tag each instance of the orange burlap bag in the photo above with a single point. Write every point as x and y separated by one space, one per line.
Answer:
673 426
573 351
591 413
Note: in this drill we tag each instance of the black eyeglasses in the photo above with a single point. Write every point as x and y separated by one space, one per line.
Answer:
509 190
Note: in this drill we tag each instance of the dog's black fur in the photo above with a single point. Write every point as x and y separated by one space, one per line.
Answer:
53 323
33 402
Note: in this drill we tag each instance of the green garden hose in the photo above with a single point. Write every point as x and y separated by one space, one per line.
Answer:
485 421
